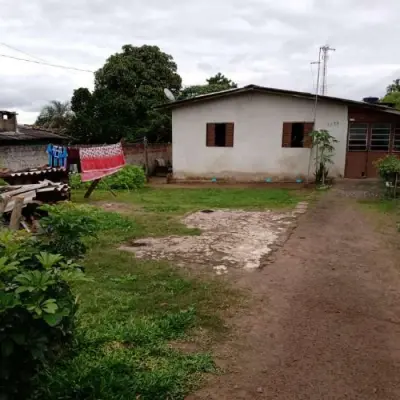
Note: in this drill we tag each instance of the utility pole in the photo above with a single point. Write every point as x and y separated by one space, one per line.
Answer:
318 81
315 110
146 157
325 57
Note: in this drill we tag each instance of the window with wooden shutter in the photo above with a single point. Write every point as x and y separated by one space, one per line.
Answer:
230 129
210 140
287 134
297 134
220 134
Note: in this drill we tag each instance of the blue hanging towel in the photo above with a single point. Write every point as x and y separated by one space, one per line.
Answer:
64 157
56 156
49 151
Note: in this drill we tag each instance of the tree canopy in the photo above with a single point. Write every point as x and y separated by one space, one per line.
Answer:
122 105
214 84
55 115
393 94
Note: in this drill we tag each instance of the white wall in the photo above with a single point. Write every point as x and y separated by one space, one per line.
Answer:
257 152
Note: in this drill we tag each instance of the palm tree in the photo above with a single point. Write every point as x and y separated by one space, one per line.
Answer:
55 115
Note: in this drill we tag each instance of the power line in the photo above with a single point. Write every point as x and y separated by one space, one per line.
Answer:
46 63
22 52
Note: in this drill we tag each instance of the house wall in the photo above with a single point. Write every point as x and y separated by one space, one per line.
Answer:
32 156
362 163
9 124
23 156
134 154
257 152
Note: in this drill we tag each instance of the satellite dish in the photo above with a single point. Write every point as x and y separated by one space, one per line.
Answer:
169 94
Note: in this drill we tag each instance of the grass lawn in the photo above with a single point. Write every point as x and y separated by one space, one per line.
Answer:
386 206
386 213
134 309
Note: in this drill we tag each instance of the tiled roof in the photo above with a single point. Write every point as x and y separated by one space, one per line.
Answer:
29 133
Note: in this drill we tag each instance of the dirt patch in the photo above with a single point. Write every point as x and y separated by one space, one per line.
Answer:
324 317
229 239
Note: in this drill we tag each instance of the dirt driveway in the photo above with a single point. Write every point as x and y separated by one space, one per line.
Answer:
325 323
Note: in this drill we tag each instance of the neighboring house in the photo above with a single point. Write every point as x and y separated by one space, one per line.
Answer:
23 146
256 133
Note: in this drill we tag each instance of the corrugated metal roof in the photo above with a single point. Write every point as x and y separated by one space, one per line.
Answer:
268 90
26 133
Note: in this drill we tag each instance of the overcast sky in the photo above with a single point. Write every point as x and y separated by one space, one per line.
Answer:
266 42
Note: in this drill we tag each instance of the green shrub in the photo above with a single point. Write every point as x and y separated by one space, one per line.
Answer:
76 183
37 309
388 167
65 227
131 177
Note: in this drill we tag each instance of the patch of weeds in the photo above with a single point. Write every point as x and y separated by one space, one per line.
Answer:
125 373
389 209
132 309
385 206
128 316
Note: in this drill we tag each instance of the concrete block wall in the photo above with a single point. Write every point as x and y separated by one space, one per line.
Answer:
135 155
21 157
32 156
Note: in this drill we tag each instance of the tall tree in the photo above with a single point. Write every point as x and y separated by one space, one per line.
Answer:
82 126
214 84
122 105
55 115
127 88
393 94
222 80
394 87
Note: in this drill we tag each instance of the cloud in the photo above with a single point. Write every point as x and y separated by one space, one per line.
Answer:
265 42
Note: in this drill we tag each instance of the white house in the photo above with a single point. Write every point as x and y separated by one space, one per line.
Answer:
255 133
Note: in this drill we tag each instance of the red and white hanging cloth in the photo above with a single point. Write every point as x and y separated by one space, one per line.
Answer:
98 162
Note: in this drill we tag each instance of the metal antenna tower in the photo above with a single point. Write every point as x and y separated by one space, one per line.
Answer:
325 57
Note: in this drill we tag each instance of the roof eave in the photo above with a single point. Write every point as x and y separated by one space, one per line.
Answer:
260 89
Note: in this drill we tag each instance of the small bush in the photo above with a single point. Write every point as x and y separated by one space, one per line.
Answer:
37 309
388 167
65 227
131 177
76 183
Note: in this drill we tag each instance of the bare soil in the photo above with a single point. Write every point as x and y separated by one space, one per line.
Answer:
325 320
230 239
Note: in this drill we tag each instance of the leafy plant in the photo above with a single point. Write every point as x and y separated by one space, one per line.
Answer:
323 143
388 167
64 227
131 177
37 309
389 170
75 182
